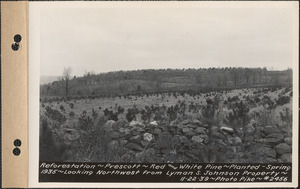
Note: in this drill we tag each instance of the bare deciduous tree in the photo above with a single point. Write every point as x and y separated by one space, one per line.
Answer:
66 80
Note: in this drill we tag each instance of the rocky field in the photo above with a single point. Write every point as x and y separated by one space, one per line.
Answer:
239 126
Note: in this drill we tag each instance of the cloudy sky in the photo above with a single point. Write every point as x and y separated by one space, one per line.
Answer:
111 39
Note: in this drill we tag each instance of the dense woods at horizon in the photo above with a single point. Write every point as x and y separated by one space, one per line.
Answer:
164 80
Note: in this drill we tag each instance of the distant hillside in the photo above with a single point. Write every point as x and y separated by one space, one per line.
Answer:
47 79
165 80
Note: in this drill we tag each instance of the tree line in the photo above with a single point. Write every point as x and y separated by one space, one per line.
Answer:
164 80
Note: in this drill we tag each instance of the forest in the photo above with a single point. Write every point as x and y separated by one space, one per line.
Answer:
163 80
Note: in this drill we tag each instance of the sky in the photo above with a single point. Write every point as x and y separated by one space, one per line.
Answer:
113 39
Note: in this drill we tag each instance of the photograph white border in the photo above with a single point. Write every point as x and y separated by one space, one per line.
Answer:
35 8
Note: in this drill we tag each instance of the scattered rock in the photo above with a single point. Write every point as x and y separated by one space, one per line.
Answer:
144 143
190 133
185 122
176 140
220 141
200 130
192 156
205 125
218 135
235 140
283 148
134 147
270 141
136 123
205 138
153 123
126 157
136 139
123 141
279 136
286 158
192 126
271 129
114 134
249 129
197 139
157 131
107 127
227 129
270 160
150 152
148 137
186 130
270 152
183 139
113 145
197 122
119 124
126 131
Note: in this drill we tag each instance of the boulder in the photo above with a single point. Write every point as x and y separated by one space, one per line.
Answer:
150 152
197 122
269 141
249 129
113 145
134 147
197 139
192 126
283 148
136 139
148 137
187 129
278 136
135 123
190 133
235 141
153 123
185 122
119 124
270 152
183 139
286 158
126 157
288 140
144 143
157 131
176 140
69 134
107 127
205 138
114 134
228 130
200 130
125 131
123 141
271 129
270 160
218 135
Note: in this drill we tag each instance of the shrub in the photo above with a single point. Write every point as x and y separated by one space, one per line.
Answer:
55 115
131 113
85 121
283 100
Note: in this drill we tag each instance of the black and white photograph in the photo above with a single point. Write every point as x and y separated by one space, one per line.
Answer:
169 83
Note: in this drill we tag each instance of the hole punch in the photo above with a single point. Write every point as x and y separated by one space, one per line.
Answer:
17 38
17 142
15 46
16 151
